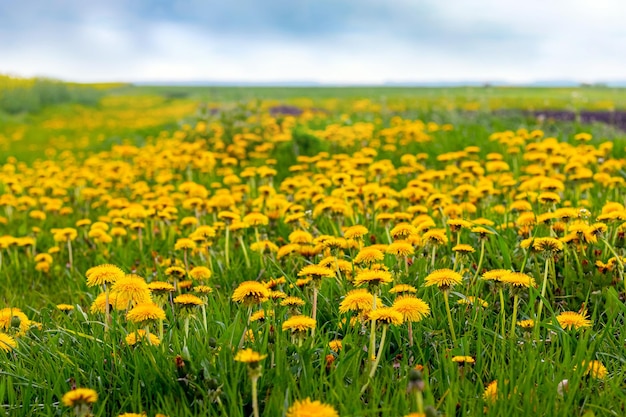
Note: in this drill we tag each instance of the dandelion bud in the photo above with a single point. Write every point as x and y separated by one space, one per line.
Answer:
430 411
415 375
16 321
416 381
330 359
212 342
562 388
186 355
213 384
180 362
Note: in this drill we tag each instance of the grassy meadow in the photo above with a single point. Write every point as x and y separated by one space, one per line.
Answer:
172 251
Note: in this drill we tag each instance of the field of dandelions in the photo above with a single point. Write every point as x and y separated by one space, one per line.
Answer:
162 256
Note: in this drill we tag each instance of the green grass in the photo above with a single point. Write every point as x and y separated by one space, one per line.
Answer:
197 375
484 98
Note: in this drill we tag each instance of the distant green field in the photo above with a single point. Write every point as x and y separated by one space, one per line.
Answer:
486 97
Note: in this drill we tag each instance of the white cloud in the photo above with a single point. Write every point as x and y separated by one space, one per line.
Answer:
452 40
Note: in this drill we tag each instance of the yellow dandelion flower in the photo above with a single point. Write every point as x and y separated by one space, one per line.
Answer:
251 292
547 244
549 197
274 282
373 277
160 288
256 219
249 356
175 271
402 288
131 289
103 274
200 273
355 232
463 249
188 300
518 280
7 343
202 289
79 396
443 278
526 324
184 244
65 307
595 369
300 236
140 336
227 216
471 300
495 275
583 137
412 308
316 272
292 302
264 246
299 324
43 257
369 255
403 231
259 315
597 229
359 300
308 408
335 345
458 224
145 313
400 248
386 315
482 232
461 360
435 237
301 282
491 392
99 304
12 317
572 319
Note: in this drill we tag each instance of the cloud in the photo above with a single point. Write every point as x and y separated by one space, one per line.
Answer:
325 40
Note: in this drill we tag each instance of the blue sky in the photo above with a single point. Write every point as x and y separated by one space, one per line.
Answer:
332 41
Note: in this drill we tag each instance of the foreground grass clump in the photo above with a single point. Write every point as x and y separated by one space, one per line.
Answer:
394 268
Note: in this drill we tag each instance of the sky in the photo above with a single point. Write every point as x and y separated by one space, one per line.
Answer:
326 41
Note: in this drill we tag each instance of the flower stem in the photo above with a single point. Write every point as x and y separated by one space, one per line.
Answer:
432 260
186 329
226 247
314 314
380 351
245 251
69 251
480 261
544 286
255 400
618 259
514 318
445 299
372 349
419 399
107 308
503 313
